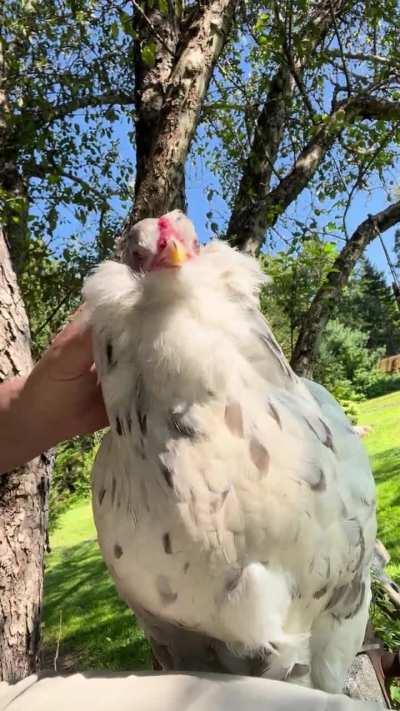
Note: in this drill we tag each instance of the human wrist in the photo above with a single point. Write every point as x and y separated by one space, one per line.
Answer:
27 427
40 408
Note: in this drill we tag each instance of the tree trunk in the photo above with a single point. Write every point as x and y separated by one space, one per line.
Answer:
23 505
174 111
23 492
151 80
247 223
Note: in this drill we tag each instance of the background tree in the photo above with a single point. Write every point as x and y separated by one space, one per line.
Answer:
345 364
364 324
369 304
296 276
293 107
23 493
320 118
45 77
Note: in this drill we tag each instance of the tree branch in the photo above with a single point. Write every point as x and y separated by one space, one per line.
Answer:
295 68
152 28
43 170
247 224
54 113
325 300
362 172
341 52
269 208
151 80
360 56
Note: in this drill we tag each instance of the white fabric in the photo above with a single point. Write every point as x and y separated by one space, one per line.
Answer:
167 692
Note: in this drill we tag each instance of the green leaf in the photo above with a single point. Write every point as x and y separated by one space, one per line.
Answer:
114 30
331 227
54 178
126 22
148 53
163 5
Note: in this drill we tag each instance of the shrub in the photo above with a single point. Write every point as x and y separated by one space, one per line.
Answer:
383 384
345 365
71 478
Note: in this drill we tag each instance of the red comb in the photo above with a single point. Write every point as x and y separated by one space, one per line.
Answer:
163 224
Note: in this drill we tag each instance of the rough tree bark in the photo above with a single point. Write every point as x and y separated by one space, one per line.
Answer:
163 30
23 492
23 505
185 61
315 320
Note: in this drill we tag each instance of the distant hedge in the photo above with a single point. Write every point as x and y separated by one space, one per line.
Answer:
383 385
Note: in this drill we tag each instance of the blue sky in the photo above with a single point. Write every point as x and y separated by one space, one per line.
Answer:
199 178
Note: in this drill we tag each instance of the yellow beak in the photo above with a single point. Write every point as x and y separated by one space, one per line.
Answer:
175 254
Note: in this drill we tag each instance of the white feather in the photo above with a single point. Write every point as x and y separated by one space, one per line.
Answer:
246 503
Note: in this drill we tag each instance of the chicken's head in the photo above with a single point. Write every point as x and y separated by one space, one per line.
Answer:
161 243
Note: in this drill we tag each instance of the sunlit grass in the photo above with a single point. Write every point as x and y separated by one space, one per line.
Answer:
383 444
83 615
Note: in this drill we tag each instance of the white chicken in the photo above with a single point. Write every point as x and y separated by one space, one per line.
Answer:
234 504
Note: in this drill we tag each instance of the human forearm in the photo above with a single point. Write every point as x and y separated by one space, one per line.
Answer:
16 436
29 424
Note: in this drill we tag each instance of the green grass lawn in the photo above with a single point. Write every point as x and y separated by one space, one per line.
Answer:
383 444
92 628
83 616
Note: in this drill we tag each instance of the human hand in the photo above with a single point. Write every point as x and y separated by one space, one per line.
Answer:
64 383
58 400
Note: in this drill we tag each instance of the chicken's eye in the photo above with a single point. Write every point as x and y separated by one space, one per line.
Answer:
162 243
137 258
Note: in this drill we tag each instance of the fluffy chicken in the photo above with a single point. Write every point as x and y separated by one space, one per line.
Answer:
234 503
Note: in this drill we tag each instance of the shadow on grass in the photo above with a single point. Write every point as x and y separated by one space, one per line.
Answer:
95 629
386 465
